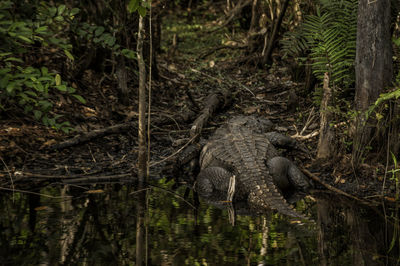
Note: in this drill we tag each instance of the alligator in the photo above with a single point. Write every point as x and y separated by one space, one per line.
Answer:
241 159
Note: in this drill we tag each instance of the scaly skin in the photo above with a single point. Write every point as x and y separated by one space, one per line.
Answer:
236 149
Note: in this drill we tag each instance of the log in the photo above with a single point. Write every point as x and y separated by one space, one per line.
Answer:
211 105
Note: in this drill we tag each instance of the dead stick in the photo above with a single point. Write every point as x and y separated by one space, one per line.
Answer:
93 179
91 135
175 153
331 188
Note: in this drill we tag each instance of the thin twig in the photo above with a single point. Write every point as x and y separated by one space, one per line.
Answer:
34 193
9 174
175 153
41 176
149 95
176 195
308 122
331 188
222 81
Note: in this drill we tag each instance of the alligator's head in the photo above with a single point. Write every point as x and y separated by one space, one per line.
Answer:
255 123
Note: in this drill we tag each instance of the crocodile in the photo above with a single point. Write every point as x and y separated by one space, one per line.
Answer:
242 160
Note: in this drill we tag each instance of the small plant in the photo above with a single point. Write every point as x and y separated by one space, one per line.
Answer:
98 36
395 176
328 40
384 98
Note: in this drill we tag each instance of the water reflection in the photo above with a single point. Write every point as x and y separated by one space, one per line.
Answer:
116 225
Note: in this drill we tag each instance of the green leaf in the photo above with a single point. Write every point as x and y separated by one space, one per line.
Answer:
25 39
394 159
39 87
37 114
61 9
5 54
10 87
45 71
130 54
99 31
142 11
13 59
74 11
62 88
66 130
41 29
69 55
133 6
45 105
45 120
59 18
70 90
32 93
4 71
109 40
79 98
58 79
28 108
53 11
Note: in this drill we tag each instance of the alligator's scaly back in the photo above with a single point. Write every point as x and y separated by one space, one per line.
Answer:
239 149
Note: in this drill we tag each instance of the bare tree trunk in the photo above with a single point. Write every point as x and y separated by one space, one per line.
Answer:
373 66
254 16
122 78
326 146
272 40
142 156
141 243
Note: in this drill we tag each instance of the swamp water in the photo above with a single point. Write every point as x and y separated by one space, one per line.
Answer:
116 225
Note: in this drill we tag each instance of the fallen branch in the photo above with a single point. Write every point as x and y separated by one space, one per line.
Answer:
175 153
232 14
212 103
94 179
331 188
91 135
305 137
119 128
209 52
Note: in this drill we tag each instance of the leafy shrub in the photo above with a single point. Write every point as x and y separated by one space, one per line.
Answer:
99 36
27 86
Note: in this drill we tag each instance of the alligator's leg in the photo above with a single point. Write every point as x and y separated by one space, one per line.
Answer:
286 174
282 141
211 179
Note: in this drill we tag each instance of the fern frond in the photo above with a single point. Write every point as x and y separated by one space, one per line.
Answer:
329 37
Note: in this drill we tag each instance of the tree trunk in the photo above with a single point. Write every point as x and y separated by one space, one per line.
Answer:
373 66
122 78
142 156
326 145
254 16
277 25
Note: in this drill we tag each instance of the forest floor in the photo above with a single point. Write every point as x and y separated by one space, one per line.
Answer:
189 70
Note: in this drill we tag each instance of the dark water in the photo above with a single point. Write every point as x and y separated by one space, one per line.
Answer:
117 225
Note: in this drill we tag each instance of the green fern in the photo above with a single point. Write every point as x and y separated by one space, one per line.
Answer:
329 39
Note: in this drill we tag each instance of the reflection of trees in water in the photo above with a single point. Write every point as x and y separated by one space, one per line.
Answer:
104 228
350 234
141 206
